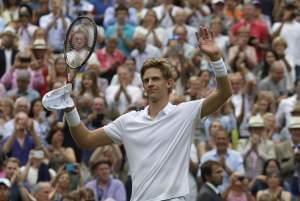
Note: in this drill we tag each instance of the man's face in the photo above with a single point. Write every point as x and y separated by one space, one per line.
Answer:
10 169
155 85
217 175
21 121
103 172
295 134
121 16
140 43
236 84
124 76
4 193
221 140
22 84
277 73
43 193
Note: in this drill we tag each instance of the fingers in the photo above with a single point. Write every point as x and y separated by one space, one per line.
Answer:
204 34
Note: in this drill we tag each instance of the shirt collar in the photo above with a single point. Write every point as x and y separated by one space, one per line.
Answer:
210 185
166 110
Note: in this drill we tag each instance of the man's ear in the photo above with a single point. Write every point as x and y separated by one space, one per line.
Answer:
170 83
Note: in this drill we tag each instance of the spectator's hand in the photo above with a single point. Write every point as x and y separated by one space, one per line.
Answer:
30 126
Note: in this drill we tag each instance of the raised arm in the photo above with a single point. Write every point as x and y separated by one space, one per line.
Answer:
223 91
85 138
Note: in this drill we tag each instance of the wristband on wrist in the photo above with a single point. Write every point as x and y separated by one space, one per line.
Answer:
73 118
219 68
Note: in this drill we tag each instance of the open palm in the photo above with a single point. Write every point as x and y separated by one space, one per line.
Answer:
207 43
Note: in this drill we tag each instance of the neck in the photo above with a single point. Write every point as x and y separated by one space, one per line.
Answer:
221 152
156 107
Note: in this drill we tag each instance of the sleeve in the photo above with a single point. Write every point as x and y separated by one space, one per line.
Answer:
109 17
116 129
192 109
240 165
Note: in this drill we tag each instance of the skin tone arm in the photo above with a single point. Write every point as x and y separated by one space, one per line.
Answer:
223 91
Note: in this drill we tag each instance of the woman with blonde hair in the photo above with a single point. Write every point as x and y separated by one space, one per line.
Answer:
265 102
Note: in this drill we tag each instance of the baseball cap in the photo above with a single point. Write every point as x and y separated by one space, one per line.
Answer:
6 182
256 122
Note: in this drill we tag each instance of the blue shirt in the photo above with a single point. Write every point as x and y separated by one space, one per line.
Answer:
128 31
21 152
101 6
233 160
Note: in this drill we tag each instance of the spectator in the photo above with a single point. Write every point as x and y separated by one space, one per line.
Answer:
8 50
23 79
238 189
57 72
110 57
156 35
258 148
165 13
5 186
55 23
122 30
102 191
89 85
23 139
119 97
110 17
275 81
36 170
230 160
6 109
42 191
25 29
142 50
274 188
58 154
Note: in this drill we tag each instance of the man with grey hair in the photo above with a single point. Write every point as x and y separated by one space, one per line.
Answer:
23 89
41 192
143 50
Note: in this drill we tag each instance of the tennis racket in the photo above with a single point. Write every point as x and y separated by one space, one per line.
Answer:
79 43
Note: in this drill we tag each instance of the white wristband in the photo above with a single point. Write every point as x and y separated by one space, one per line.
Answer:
219 67
73 118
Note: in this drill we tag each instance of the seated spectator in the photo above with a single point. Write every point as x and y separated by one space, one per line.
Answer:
279 47
22 140
156 35
231 160
8 50
38 113
259 183
110 17
122 30
58 154
21 105
42 191
238 189
103 185
6 112
55 23
135 76
258 148
22 89
11 171
263 103
36 170
61 185
165 13
275 81
119 97
269 58
143 50
272 131
110 57
274 188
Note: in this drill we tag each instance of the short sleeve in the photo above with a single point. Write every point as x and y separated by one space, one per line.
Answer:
115 129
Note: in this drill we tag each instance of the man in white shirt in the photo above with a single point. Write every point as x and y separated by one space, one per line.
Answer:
158 139
119 97
56 25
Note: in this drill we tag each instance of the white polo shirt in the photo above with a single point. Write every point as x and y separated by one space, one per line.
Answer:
158 150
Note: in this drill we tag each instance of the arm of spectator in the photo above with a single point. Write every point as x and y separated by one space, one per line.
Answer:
109 18
251 58
68 154
33 133
7 78
24 173
9 142
25 195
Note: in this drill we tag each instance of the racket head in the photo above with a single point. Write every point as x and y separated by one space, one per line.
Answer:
80 42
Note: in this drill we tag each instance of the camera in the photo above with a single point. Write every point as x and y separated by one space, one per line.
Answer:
70 167
39 154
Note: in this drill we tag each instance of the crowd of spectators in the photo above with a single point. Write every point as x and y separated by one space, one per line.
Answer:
255 135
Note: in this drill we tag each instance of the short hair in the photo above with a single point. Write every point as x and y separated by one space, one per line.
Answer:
162 64
39 186
12 160
279 40
121 7
94 165
207 169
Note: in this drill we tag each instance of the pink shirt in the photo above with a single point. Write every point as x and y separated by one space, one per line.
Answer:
106 60
232 197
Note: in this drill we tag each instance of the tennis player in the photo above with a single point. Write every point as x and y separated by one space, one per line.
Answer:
158 139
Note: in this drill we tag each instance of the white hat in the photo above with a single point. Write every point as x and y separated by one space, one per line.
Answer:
217 1
294 122
58 99
256 122
10 31
6 182
140 33
39 44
